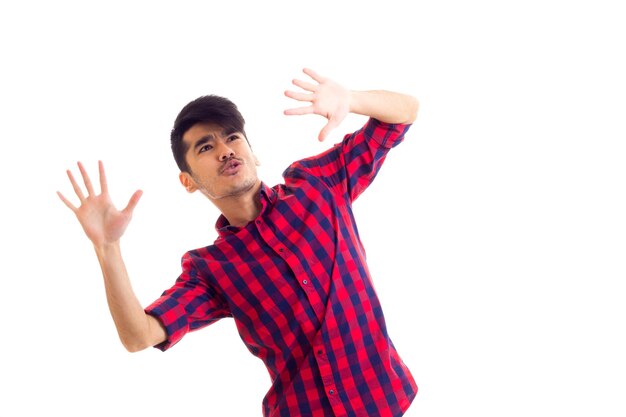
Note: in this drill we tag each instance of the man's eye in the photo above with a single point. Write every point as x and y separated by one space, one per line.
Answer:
205 148
233 137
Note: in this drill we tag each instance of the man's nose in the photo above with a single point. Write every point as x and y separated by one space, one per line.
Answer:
225 153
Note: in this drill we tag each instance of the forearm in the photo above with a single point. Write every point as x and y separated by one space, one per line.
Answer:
386 106
136 329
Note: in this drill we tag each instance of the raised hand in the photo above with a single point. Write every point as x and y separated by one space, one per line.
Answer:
102 222
327 99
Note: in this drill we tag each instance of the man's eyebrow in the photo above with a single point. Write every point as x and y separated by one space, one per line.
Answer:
210 137
203 140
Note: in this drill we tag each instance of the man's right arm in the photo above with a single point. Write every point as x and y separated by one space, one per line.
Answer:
136 329
104 225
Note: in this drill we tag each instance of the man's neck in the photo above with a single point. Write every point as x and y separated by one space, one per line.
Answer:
241 209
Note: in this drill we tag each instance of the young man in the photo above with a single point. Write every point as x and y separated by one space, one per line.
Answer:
288 265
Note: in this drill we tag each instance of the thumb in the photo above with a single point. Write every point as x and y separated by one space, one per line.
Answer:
132 203
332 123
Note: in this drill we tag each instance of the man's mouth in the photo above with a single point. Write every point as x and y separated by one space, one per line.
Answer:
231 167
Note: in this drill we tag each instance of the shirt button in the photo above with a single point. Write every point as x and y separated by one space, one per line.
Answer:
331 392
320 351
304 281
281 250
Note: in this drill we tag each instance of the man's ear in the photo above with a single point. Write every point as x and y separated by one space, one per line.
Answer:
256 161
187 182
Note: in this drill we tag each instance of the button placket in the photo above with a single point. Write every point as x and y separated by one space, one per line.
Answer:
292 261
270 239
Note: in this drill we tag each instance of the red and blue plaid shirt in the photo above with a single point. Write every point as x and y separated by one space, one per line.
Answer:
297 285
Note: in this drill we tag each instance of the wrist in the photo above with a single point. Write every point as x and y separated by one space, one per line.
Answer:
354 102
106 249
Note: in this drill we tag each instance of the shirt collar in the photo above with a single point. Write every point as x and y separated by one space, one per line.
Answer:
267 196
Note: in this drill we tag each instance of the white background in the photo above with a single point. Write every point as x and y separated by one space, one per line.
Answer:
495 233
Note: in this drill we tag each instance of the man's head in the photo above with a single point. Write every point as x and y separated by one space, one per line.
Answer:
211 149
206 109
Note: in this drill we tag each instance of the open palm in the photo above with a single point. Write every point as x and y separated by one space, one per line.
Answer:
102 222
327 98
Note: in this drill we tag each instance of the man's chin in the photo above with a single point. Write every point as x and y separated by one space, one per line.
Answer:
235 191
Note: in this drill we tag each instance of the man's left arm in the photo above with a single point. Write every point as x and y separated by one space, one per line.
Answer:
334 102
385 106
349 167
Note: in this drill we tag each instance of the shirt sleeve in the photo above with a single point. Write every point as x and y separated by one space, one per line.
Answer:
190 304
351 165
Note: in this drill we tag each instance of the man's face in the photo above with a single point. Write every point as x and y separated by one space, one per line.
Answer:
221 162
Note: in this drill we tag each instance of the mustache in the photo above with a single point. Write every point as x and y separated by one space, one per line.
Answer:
228 162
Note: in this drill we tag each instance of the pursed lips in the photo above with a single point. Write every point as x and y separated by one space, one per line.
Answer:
231 166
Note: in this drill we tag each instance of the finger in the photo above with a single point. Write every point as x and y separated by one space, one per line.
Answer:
299 96
67 202
313 75
86 179
299 111
327 129
77 190
103 179
132 203
304 85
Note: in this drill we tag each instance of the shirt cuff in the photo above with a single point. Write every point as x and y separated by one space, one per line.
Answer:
172 316
387 135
